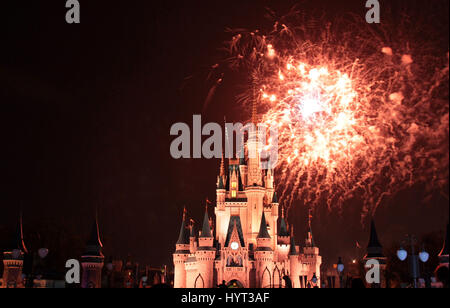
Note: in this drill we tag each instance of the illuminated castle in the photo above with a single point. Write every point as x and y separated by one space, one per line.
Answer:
250 245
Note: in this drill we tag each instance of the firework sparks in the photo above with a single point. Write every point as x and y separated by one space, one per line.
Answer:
356 118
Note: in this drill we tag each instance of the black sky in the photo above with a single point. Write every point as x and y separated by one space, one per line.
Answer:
86 113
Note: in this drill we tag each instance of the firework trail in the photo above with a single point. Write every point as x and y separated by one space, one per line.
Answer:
362 112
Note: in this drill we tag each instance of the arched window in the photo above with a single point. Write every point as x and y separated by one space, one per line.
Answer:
239 261
230 261
276 278
199 283
265 279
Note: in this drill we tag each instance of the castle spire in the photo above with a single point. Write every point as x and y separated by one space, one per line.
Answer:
94 244
263 233
94 238
275 198
373 240
183 238
374 248
206 229
283 226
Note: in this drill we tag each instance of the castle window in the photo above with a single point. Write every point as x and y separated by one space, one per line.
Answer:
233 185
233 194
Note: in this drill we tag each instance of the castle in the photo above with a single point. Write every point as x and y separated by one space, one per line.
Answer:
250 245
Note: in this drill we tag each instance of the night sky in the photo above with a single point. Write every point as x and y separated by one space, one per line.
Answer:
86 113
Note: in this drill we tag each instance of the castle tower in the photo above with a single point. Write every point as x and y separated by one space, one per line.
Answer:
255 206
220 199
375 252
264 256
283 238
205 255
294 263
13 260
311 256
92 260
181 254
443 255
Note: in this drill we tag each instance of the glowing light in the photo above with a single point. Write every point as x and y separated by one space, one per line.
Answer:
310 106
346 124
270 51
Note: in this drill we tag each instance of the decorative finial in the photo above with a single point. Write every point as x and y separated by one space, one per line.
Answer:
184 213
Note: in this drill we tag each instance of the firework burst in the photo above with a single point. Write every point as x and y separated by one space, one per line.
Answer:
360 114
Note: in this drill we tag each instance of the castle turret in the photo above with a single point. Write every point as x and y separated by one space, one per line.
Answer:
264 256
205 255
311 255
13 259
92 260
375 252
181 254
294 262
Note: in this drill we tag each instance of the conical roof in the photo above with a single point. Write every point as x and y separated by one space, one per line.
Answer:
94 237
263 233
373 239
283 228
183 237
94 244
275 198
374 248
206 229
